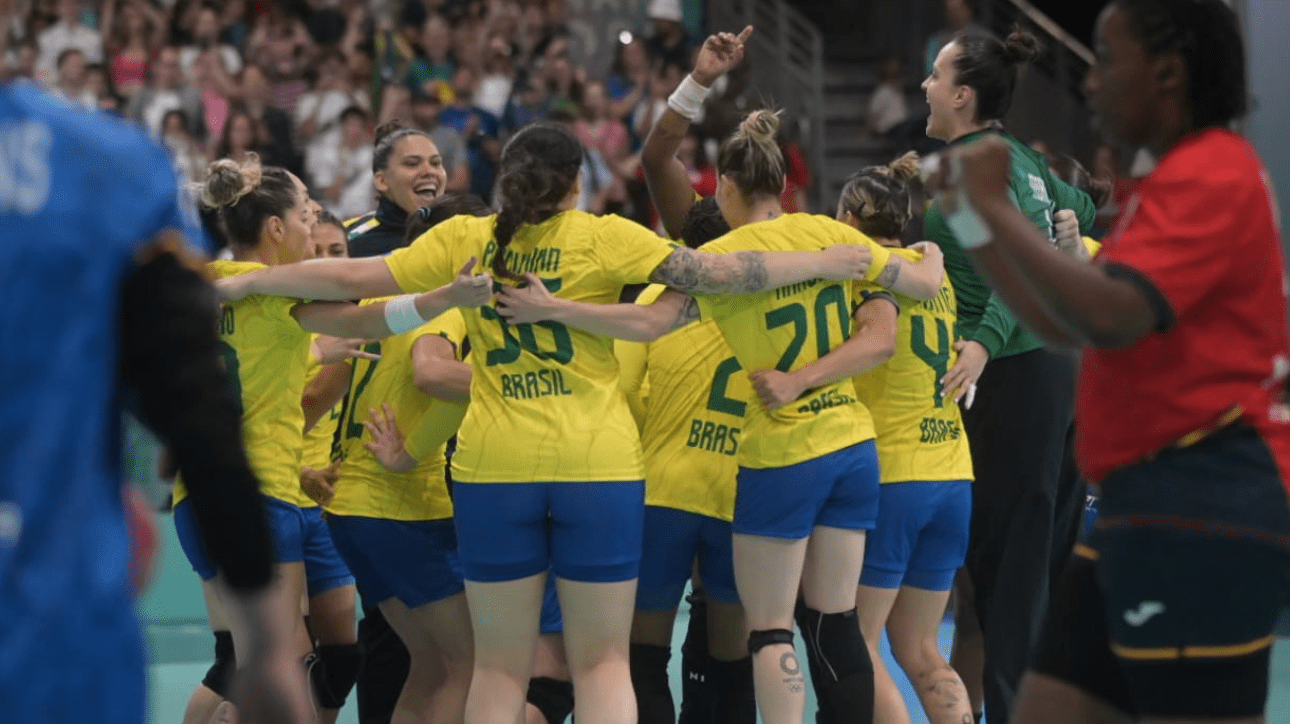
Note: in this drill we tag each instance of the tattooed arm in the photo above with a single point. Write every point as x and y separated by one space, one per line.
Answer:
748 272
631 322
921 279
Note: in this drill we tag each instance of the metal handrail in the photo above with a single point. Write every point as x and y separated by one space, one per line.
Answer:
1045 23
787 53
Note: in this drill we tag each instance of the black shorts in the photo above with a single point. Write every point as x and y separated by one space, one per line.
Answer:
1171 603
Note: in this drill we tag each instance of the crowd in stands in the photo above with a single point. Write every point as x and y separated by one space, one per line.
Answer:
304 83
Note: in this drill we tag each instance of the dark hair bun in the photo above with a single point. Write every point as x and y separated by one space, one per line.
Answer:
391 126
1021 47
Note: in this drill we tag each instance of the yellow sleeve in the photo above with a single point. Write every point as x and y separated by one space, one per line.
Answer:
442 418
1093 246
629 251
440 422
430 262
632 364
881 256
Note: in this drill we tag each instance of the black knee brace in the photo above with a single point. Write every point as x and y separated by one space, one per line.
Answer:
758 640
841 670
734 701
654 703
552 697
333 671
219 677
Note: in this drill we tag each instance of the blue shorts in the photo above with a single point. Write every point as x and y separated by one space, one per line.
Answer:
922 535
838 490
673 538
413 561
190 542
552 618
299 534
588 532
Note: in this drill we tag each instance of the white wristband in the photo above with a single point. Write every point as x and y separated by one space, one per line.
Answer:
966 223
401 314
688 98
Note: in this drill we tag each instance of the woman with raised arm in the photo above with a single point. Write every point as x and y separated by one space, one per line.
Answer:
582 491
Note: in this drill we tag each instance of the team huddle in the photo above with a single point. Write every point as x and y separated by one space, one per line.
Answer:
611 466
517 435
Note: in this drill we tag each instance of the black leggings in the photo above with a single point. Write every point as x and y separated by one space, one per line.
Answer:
1026 507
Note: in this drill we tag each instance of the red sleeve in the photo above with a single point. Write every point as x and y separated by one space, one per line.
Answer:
1180 232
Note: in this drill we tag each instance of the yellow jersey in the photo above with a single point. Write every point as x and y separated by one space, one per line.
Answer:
698 396
786 329
365 487
318 441
919 434
266 353
545 404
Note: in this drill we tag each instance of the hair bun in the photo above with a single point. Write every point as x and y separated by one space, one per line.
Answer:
391 126
761 125
227 181
905 168
1021 47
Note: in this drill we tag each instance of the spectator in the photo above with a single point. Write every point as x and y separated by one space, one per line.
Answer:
498 76
69 32
216 86
669 41
607 136
167 91
527 105
425 112
22 60
132 31
887 109
318 113
629 77
435 61
561 79
961 16
479 130
595 178
663 82
693 154
281 46
341 166
242 135
465 43
206 34
190 162
253 91
72 80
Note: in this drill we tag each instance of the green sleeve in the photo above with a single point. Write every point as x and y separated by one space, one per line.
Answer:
1069 197
996 327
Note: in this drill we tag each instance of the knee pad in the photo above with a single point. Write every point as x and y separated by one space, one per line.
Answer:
654 704
841 670
552 697
758 640
735 701
219 677
332 673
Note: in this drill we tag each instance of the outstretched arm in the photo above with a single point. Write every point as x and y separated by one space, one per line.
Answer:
325 279
748 272
631 322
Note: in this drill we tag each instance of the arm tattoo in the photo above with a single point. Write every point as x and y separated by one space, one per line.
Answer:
689 312
890 273
686 271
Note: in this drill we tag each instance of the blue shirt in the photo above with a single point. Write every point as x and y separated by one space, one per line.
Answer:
80 194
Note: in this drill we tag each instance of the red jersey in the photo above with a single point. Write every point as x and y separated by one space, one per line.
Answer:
1202 229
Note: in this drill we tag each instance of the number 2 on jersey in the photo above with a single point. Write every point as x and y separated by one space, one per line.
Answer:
834 297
